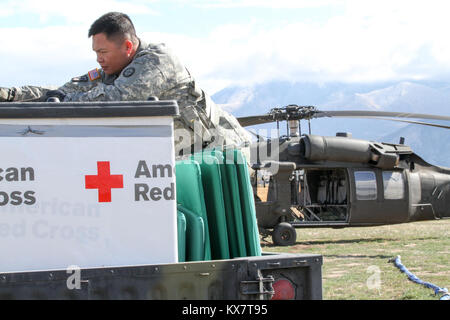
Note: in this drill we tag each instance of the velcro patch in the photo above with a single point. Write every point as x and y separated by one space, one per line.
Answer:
80 79
94 75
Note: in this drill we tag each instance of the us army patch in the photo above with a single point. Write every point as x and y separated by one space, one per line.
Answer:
128 72
94 74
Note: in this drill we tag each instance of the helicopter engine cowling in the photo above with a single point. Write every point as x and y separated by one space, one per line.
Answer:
344 149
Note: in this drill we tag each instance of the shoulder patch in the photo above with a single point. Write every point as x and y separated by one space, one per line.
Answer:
94 74
128 72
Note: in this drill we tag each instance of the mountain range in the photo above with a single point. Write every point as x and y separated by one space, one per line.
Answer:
432 144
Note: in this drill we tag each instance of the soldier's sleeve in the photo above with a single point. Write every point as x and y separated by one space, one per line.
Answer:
83 83
25 93
36 93
139 80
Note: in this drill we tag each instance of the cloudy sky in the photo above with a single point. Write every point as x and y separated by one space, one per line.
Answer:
227 42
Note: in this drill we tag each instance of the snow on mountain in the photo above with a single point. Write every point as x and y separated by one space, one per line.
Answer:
407 96
401 97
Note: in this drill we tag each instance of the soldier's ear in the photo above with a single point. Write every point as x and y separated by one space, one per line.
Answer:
129 46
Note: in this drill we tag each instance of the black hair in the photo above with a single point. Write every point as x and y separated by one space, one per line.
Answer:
114 25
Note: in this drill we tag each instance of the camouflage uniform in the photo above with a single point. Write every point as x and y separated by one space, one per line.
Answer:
154 71
25 93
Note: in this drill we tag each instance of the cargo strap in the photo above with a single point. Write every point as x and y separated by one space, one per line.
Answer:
437 290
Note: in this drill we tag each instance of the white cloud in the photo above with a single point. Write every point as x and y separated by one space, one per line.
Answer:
371 41
45 56
261 3
79 11
365 41
53 54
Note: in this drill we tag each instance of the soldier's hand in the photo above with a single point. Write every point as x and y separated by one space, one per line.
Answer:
55 93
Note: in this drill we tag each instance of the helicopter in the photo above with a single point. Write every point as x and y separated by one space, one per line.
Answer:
339 181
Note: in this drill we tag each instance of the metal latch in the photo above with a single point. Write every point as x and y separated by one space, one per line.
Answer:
262 287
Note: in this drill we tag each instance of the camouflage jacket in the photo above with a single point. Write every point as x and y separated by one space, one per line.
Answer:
155 71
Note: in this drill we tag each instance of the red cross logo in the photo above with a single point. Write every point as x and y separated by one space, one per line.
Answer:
104 181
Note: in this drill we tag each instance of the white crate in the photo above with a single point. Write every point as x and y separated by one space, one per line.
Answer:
51 214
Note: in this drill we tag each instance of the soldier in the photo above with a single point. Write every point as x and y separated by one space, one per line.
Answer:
132 70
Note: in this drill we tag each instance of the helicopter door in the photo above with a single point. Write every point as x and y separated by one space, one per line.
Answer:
323 196
378 197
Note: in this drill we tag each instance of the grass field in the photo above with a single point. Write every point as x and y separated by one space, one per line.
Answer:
356 259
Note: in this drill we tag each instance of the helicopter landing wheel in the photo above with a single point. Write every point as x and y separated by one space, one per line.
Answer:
284 234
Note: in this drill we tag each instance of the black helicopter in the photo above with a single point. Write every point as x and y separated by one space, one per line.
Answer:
339 181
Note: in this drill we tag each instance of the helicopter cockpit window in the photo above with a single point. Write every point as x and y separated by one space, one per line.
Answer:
394 186
366 185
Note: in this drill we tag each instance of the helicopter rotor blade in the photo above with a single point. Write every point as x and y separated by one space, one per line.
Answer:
313 113
413 122
254 120
375 114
